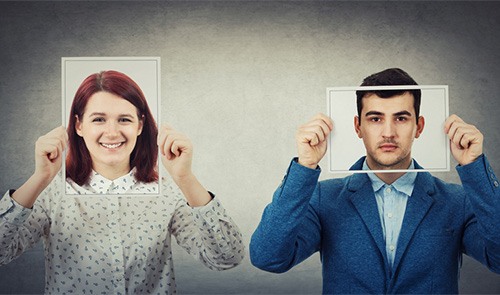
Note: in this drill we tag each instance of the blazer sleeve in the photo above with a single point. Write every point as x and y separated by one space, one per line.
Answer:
481 239
290 228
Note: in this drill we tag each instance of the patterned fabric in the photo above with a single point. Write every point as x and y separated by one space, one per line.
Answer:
117 244
100 185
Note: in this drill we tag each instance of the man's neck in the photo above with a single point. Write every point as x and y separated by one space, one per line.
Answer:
389 177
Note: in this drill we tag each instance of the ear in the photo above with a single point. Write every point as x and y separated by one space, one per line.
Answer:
420 126
78 126
357 127
141 125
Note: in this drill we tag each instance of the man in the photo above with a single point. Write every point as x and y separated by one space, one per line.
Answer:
383 232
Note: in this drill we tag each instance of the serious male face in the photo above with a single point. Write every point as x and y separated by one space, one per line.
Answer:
388 127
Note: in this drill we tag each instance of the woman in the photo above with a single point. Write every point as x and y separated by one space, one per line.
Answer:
97 242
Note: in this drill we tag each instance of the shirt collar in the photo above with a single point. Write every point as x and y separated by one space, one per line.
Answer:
101 185
404 184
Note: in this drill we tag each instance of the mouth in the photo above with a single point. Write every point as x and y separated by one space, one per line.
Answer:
388 147
111 145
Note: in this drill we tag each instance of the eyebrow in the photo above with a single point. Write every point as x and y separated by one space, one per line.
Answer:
104 115
402 113
376 113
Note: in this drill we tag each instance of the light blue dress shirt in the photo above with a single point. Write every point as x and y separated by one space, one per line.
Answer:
391 202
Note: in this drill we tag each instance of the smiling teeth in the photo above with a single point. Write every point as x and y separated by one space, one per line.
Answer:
111 146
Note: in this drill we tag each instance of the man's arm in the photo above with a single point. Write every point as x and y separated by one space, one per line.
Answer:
481 238
290 229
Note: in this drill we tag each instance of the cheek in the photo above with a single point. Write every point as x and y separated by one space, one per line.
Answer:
90 132
131 133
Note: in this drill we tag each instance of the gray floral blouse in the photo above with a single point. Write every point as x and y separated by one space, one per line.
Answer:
112 243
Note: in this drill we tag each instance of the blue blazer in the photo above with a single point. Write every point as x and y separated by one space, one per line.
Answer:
339 218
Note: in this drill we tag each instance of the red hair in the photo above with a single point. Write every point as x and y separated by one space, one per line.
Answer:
145 153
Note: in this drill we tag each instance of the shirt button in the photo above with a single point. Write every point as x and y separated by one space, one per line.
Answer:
492 176
495 183
391 247
389 215
388 190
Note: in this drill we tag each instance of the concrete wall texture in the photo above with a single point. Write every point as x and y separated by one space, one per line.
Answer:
238 77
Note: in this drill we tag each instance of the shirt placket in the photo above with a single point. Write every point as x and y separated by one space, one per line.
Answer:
116 248
389 222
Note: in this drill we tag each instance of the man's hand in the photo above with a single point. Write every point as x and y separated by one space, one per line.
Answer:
466 141
311 140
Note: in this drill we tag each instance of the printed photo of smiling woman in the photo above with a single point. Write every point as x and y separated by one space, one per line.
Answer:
111 130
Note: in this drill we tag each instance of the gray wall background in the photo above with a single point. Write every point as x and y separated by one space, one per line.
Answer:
238 78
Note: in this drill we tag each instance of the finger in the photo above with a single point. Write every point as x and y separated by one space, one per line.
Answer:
325 119
169 149
466 140
57 136
462 134
162 137
317 130
65 138
164 133
176 148
470 136
48 149
59 142
453 128
308 137
450 121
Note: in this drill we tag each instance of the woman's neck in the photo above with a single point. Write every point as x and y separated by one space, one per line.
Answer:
112 172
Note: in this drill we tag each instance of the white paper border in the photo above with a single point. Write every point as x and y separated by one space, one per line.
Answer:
331 153
157 115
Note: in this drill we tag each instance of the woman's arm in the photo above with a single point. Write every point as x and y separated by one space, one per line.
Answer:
49 150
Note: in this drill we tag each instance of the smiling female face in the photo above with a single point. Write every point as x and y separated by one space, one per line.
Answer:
109 126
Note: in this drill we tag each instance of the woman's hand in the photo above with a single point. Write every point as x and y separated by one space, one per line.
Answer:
177 155
176 152
49 151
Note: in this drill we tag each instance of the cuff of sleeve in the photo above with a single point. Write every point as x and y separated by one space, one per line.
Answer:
295 162
477 172
208 217
211 213
301 175
11 211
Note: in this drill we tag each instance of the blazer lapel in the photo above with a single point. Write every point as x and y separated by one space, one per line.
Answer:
417 207
364 201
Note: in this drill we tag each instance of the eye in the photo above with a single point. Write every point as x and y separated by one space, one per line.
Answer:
374 119
98 120
401 119
124 120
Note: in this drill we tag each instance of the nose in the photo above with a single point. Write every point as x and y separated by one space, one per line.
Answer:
112 129
389 129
